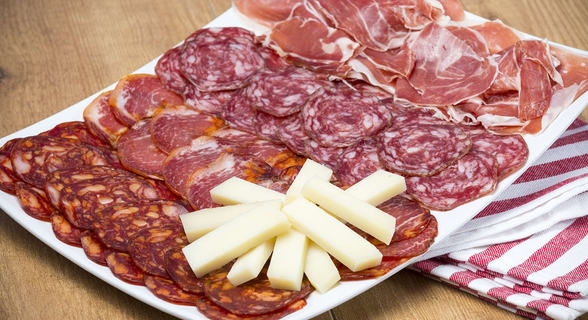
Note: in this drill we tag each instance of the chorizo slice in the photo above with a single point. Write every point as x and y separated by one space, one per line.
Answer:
94 249
8 178
411 247
169 291
411 218
122 266
178 268
76 130
212 311
65 231
370 273
276 155
34 201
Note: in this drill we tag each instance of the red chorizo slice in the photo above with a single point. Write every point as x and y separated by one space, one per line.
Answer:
163 191
57 180
212 311
138 153
467 179
167 290
326 156
282 92
178 268
168 71
422 150
228 165
276 155
237 112
182 162
511 151
290 173
411 218
94 249
215 62
370 273
292 135
139 96
114 225
147 247
65 231
234 135
358 161
8 178
76 130
175 127
102 122
81 200
206 102
122 266
267 125
411 247
34 201
336 117
33 158
255 297
111 156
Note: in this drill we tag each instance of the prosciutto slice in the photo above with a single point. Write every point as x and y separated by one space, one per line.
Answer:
497 35
265 12
573 69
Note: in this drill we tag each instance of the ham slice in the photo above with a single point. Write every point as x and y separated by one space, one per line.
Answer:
573 69
265 12
498 36
453 9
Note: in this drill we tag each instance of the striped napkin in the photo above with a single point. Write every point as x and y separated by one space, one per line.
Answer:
527 252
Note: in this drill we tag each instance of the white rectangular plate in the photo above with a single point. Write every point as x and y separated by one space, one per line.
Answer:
317 303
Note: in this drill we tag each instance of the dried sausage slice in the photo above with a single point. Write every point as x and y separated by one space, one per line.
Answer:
114 225
272 59
467 179
102 122
178 268
511 151
175 127
138 153
212 311
34 201
167 290
267 125
33 158
81 200
234 135
163 191
416 116
411 247
422 150
282 92
76 130
111 156
290 173
292 135
206 102
371 273
122 266
182 162
358 161
326 156
228 165
276 155
94 249
8 178
139 96
254 297
65 231
411 218
336 117
238 113
168 71
147 247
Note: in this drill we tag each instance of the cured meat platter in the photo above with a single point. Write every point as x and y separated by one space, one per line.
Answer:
448 221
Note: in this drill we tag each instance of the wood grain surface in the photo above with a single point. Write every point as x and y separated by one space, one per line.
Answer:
54 53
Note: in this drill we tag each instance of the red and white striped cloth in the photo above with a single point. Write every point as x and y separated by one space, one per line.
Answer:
527 252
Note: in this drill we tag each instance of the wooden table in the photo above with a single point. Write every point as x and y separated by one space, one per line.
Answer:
54 53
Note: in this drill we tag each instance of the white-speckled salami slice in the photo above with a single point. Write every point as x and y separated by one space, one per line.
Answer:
416 116
324 155
168 71
358 161
267 125
237 112
511 151
138 153
207 102
292 135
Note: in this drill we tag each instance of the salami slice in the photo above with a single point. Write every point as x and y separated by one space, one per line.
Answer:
467 179
273 61
267 126
234 135
182 162
212 311
94 249
207 33
282 92
411 247
147 247
326 156
34 201
138 153
361 85
335 117
511 151
139 96
292 135
122 266
167 290
371 273
57 180
114 225
254 297
178 268
472 130
168 71
238 113
416 116
33 158
206 102
422 150
175 127
76 130
228 165
65 231
102 122
358 161
290 173
81 200
8 178
215 62
394 108
411 218
276 155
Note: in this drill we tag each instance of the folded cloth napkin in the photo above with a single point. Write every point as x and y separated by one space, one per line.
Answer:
527 252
